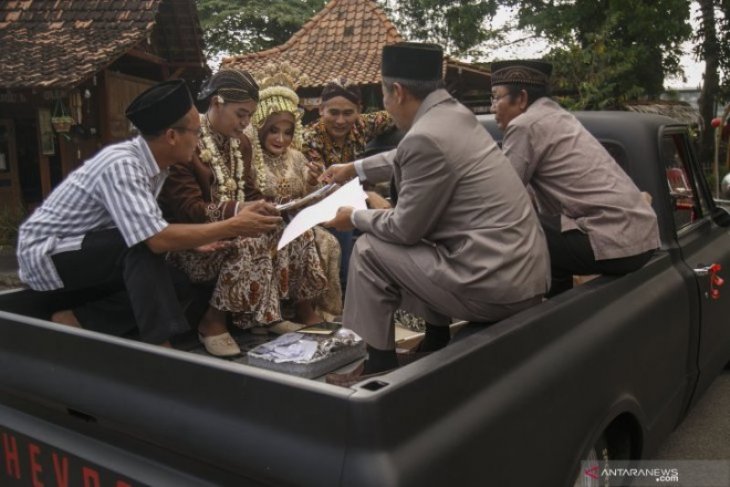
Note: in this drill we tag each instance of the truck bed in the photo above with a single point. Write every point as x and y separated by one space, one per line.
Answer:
217 420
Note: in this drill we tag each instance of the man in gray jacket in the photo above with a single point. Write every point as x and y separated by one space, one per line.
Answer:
462 241
595 218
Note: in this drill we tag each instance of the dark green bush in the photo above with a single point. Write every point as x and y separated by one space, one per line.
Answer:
10 218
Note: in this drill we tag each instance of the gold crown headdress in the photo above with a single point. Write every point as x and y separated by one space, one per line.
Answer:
277 83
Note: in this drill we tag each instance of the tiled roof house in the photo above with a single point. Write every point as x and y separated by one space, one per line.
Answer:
59 43
346 39
85 59
343 39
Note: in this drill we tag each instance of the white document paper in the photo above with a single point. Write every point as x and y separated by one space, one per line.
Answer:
351 194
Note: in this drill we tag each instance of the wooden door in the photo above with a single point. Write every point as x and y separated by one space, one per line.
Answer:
9 181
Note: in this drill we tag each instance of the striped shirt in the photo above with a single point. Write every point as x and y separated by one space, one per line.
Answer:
117 188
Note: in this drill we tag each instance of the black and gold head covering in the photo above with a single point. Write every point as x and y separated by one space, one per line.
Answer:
234 85
342 87
521 72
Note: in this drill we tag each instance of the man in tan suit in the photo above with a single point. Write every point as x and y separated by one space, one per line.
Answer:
462 241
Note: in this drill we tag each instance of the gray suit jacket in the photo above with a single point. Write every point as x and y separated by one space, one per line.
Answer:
463 215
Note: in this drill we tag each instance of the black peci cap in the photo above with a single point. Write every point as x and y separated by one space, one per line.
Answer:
160 106
413 61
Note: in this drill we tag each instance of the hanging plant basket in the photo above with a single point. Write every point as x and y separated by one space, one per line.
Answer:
62 124
61 118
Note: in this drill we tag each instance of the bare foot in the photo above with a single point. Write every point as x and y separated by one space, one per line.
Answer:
65 317
213 323
306 314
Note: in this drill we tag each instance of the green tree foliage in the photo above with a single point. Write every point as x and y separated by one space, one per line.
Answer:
712 45
242 26
600 77
460 27
610 50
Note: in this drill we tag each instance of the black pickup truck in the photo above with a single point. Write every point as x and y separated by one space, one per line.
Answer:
606 370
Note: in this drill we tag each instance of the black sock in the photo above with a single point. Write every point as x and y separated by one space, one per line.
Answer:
380 360
436 338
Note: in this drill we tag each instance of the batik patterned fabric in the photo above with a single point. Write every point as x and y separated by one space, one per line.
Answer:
318 146
286 179
251 277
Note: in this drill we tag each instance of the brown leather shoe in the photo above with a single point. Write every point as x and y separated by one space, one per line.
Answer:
347 379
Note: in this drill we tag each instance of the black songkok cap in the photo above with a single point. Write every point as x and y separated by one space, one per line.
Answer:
413 61
157 108
341 87
521 73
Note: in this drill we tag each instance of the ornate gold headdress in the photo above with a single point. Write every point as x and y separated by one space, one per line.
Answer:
277 83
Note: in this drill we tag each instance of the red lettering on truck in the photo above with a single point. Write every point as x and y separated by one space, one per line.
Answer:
61 470
10 447
35 466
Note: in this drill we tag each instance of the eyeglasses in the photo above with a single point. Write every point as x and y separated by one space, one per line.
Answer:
198 131
496 98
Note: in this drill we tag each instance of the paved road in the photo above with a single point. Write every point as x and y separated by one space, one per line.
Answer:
705 432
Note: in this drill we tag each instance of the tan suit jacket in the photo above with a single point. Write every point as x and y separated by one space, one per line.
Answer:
463 215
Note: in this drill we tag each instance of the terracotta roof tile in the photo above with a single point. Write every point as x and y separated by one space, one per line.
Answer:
58 43
345 37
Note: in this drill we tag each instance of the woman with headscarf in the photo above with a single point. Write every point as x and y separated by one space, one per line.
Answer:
250 276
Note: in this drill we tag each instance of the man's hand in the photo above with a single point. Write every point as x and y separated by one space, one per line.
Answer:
255 218
339 173
214 246
342 220
315 170
262 207
377 202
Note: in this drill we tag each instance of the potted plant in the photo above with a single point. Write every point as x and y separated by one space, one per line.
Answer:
61 120
62 124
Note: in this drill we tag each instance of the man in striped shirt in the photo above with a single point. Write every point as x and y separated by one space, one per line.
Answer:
102 228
